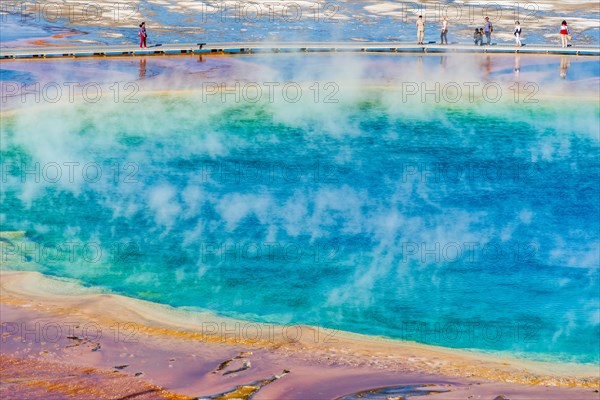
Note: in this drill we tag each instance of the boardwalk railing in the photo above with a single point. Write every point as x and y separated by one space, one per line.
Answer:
285 47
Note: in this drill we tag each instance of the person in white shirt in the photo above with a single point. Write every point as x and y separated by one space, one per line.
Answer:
444 30
420 30
517 33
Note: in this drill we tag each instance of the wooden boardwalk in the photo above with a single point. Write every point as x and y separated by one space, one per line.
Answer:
286 47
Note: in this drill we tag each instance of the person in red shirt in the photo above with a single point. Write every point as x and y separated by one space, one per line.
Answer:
564 34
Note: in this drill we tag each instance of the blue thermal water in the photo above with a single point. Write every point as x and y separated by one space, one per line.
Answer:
17 26
461 225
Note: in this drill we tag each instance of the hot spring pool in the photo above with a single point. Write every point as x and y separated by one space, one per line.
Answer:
464 225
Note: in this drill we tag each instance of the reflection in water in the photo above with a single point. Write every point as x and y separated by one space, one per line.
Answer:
142 70
419 66
517 63
487 66
564 66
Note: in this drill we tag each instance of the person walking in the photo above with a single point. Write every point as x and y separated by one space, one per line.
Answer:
143 35
517 34
444 33
420 30
488 29
564 34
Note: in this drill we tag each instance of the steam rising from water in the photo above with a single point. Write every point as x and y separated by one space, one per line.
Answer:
364 201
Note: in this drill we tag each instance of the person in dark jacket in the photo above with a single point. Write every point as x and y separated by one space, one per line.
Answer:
478 37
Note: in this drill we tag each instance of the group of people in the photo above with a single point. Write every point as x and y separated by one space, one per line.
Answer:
421 30
478 35
485 32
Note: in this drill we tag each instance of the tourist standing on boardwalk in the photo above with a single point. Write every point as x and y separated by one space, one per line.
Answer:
564 34
443 35
478 37
143 35
420 30
517 33
488 29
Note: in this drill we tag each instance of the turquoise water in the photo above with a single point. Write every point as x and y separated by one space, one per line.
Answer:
466 225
